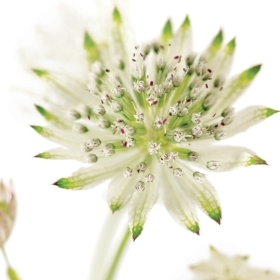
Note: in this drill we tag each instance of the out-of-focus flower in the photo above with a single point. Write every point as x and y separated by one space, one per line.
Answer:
146 118
223 267
7 211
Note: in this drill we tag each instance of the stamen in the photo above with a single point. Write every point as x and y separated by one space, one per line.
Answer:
219 135
116 106
197 131
139 117
152 100
118 91
103 123
108 150
213 165
139 86
196 118
140 186
129 130
73 115
79 128
173 156
164 159
178 172
91 158
149 178
130 142
154 148
180 136
128 172
90 145
141 167
193 156
99 110
199 177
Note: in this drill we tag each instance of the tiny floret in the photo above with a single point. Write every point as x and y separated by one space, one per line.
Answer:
108 150
178 172
140 186
128 172
213 165
199 177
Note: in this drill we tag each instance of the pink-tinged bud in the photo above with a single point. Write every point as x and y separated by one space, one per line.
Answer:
7 211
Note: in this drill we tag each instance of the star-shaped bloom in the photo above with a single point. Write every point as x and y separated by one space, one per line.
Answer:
147 118
223 267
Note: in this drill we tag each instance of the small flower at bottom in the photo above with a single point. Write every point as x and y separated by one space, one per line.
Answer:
7 211
147 127
223 267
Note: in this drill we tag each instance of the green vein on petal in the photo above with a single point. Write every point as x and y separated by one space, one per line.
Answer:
117 18
91 48
167 33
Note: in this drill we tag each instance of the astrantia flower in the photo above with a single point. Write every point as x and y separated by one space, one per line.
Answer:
223 267
147 118
7 211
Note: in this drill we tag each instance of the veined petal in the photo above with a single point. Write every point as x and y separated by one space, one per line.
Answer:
203 193
65 87
182 40
249 117
120 190
92 176
214 47
53 118
141 203
91 48
177 201
222 69
167 33
74 139
61 153
234 89
63 137
118 46
227 158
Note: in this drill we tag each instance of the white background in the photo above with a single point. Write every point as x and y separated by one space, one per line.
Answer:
56 230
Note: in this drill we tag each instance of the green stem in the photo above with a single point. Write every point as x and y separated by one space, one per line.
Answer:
118 256
10 271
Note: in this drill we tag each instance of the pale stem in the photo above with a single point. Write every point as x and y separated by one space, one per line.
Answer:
105 246
118 256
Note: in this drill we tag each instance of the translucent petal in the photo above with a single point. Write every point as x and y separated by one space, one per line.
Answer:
223 64
234 89
120 190
204 194
213 48
177 201
140 205
90 177
228 158
247 118
182 40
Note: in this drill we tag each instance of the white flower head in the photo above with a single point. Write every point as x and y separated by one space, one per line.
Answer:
146 133
223 267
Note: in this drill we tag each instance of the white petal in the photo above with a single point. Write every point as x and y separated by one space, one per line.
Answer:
140 205
203 193
228 158
105 169
177 200
120 190
247 118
